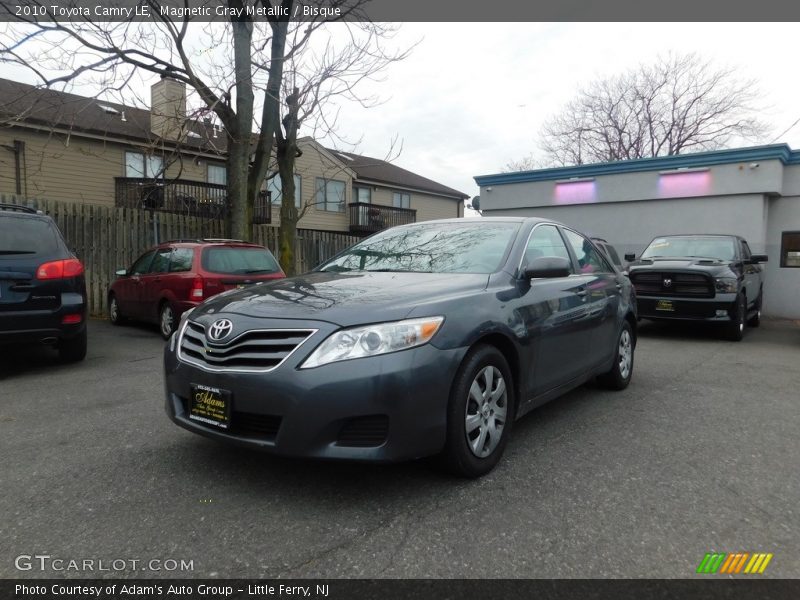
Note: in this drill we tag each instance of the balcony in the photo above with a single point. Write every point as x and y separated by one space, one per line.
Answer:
370 218
182 196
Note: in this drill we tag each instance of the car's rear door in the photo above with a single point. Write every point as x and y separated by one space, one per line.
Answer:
153 282
603 289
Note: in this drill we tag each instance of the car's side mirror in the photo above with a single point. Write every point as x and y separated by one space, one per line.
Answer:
758 258
121 272
630 257
547 267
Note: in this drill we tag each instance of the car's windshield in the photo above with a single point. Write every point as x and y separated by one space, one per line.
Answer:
27 236
474 246
236 260
717 247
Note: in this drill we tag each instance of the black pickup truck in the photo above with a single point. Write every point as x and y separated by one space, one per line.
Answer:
700 277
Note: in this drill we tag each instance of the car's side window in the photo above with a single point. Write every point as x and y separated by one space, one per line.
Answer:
142 263
746 254
181 260
160 262
545 241
590 259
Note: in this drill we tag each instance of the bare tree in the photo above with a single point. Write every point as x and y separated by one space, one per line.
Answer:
317 78
238 59
526 163
680 103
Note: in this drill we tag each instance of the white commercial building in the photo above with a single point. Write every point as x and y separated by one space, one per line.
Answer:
752 192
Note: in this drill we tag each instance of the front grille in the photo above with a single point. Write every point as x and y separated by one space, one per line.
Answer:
364 432
252 425
256 350
651 283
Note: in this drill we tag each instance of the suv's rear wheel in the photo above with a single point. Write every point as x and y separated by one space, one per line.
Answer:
166 320
480 413
73 349
114 314
736 327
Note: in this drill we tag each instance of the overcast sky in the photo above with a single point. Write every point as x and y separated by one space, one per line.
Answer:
472 96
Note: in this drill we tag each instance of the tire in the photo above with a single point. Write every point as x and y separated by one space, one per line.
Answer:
479 414
621 372
114 314
755 320
735 330
166 320
73 349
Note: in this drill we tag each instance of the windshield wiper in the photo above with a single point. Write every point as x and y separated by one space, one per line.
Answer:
17 251
388 271
335 269
259 271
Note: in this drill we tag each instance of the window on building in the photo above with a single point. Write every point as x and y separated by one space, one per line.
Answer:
275 188
141 165
401 200
790 249
330 195
217 174
363 195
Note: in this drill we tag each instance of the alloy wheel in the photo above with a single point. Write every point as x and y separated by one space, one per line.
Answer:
166 320
625 353
487 409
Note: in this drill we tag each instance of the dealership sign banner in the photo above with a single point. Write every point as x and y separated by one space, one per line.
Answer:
398 10
391 589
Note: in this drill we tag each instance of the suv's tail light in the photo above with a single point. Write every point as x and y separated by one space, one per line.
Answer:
60 269
197 289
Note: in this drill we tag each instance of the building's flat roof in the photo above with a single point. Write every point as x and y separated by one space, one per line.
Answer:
781 152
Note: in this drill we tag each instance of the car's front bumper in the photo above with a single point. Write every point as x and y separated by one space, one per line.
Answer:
720 309
385 408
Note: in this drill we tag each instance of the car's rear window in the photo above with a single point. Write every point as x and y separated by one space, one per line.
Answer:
20 236
239 261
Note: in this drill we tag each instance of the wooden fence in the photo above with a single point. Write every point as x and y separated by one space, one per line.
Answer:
107 238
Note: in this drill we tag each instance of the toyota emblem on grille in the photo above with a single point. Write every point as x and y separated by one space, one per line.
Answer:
667 282
220 329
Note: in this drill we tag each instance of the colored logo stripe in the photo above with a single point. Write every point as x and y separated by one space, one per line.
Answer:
733 563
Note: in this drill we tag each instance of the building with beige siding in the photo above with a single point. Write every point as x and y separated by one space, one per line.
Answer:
60 146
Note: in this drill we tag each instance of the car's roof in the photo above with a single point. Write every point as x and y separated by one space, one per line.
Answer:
208 242
491 219
727 235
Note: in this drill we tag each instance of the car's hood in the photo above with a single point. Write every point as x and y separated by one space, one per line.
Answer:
689 263
343 298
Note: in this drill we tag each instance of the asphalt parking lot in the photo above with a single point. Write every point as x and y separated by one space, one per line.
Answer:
699 454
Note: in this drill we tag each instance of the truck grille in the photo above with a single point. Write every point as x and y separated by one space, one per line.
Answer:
680 284
258 350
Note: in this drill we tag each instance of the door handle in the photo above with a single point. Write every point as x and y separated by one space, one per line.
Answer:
582 293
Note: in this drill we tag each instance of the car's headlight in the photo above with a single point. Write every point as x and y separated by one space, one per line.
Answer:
726 285
174 337
371 340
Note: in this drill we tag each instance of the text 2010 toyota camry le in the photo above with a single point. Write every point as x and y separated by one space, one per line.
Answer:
424 339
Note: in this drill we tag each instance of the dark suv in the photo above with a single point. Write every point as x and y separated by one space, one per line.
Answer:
178 275
699 277
42 285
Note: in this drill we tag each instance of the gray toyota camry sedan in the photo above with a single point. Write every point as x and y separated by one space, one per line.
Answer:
425 339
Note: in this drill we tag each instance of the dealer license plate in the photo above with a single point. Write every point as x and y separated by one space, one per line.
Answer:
210 405
665 305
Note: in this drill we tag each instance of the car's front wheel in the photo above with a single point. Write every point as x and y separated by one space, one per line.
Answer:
736 327
114 314
480 413
621 372
166 320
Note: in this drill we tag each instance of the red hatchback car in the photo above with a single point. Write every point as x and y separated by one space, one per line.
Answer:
176 276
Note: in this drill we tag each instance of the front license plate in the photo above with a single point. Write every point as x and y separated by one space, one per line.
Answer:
210 405
665 305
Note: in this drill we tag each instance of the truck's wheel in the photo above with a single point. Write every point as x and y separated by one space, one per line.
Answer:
755 320
738 322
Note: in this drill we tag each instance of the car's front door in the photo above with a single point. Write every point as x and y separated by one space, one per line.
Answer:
752 274
554 315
